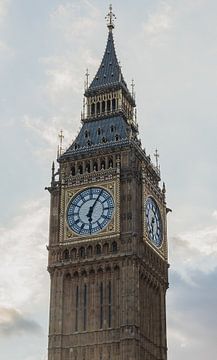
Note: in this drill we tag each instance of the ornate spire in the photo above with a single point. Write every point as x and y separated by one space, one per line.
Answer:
110 19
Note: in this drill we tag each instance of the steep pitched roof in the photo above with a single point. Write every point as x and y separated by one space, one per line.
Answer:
109 73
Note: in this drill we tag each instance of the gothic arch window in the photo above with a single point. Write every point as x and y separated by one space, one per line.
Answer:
112 128
66 254
87 167
116 137
73 253
111 163
89 251
108 105
106 248
98 131
82 252
73 171
92 109
103 106
98 108
98 249
80 169
95 166
113 104
114 247
86 133
103 164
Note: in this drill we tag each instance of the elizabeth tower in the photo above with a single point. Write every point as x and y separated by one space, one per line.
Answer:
108 235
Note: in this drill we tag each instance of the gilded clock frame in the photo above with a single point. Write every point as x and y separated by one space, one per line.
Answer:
113 227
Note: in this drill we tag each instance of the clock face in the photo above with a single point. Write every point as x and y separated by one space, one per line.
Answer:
153 221
90 211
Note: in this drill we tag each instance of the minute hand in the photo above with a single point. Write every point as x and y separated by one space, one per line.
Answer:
97 199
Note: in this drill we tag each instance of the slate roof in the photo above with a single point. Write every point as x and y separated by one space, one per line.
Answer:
109 73
103 131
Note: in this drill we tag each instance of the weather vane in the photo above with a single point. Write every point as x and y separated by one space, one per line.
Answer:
110 18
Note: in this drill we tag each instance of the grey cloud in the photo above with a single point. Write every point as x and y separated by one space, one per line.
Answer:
192 316
13 322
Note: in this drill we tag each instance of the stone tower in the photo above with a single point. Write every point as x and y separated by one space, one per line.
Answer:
108 235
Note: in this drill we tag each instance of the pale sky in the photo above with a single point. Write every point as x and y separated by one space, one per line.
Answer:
170 48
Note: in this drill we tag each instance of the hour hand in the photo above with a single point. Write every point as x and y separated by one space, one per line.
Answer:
89 214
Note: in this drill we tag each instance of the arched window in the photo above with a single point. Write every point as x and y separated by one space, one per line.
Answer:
116 137
113 104
108 105
98 108
98 131
114 247
111 163
112 128
80 169
92 109
86 133
95 166
98 249
105 248
73 171
103 106
66 254
89 251
73 254
87 167
82 252
102 164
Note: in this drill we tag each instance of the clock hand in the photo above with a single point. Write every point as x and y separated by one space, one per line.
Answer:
90 212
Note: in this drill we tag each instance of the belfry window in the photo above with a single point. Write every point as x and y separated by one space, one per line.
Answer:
113 104
103 106
98 108
92 109
109 105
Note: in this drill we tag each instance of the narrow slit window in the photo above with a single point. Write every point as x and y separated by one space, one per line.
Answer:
76 309
101 305
85 307
109 304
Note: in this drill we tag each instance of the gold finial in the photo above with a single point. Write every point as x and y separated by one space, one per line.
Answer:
156 155
110 18
60 147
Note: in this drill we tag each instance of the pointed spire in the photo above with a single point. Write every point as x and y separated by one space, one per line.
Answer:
110 18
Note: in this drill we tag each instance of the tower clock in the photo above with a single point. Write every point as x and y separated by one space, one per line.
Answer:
108 235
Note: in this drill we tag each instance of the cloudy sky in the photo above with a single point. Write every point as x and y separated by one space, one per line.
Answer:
170 48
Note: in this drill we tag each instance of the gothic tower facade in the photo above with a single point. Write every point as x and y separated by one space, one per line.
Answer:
108 234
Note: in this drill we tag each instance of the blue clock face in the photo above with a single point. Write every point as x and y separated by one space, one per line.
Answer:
153 221
90 211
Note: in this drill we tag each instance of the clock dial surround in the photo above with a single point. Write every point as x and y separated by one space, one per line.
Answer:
153 222
90 211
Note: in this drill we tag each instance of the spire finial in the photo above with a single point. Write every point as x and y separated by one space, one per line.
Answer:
156 155
133 88
60 147
110 18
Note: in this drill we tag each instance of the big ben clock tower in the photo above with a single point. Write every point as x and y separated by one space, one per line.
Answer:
108 237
